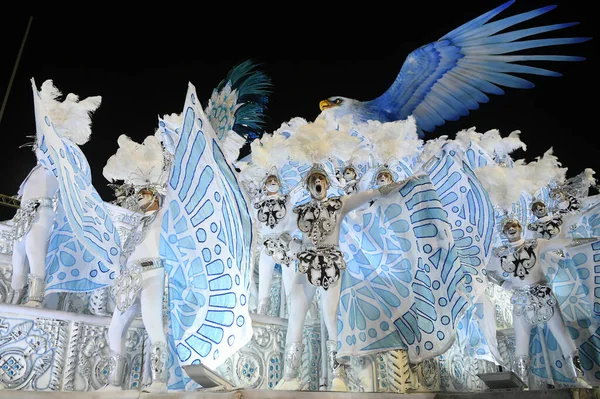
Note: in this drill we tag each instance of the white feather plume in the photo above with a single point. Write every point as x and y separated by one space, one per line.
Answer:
431 148
71 117
392 140
137 164
271 150
288 128
174 119
491 141
323 139
505 185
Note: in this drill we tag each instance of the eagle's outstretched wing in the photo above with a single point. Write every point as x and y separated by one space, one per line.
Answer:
444 80
236 107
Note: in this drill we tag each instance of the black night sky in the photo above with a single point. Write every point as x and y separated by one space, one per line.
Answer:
141 66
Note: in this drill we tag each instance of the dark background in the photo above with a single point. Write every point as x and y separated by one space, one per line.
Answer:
141 66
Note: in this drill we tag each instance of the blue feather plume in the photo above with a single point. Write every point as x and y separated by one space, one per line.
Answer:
254 88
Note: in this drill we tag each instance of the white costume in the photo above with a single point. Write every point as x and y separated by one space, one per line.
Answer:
274 214
32 226
140 285
320 264
517 266
64 124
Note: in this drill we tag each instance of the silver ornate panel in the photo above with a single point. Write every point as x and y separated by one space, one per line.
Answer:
46 353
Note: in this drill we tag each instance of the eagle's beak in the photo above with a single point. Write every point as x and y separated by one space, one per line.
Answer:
325 104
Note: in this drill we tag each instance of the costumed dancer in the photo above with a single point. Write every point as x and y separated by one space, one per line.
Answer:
525 266
516 266
321 261
140 285
273 212
385 264
39 192
272 199
320 265
545 226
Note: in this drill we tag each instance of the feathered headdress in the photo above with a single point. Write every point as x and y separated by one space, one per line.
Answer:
505 185
322 143
237 105
577 186
71 117
392 141
268 155
139 165
355 153
321 140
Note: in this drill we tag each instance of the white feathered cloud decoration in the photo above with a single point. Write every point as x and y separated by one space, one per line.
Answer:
491 141
505 184
135 163
392 140
431 148
71 117
323 139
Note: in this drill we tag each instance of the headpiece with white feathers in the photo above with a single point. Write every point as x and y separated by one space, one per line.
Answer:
355 153
140 165
392 140
268 155
71 117
577 186
321 140
505 185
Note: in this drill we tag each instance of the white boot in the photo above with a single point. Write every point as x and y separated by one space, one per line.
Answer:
574 370
291 377
263 306
522 369
158 363
36 291
339 381
116 371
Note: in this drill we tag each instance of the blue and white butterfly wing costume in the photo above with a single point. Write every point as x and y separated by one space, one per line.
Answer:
471 215
85 248
573 281
404 283
206 244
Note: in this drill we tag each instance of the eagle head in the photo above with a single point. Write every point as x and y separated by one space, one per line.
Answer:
331 102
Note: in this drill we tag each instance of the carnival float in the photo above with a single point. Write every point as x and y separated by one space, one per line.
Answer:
350 253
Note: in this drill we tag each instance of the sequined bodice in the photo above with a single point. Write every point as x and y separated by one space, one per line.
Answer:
271 210
547 227
519 261
318 219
